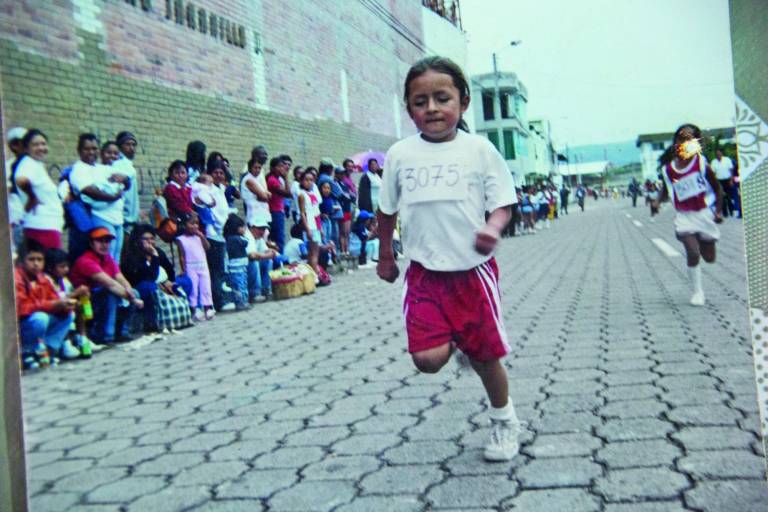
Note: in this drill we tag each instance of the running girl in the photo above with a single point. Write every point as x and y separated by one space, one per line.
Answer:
686 175
442 182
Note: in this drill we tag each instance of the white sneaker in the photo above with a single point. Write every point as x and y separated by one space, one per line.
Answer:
210 313
697 299
225 288
199 316
68 351
230 306
503 445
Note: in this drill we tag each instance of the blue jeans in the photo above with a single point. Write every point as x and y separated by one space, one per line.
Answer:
238 281
38 326
116 246
109 316
258 278
78 243
277 229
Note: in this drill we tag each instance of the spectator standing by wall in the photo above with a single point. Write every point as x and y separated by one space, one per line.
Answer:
277 185
127 144
43 212
723 167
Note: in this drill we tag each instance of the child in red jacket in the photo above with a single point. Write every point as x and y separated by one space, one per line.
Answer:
44 317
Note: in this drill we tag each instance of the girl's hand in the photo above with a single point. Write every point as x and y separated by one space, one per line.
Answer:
31 204
387 270
486 239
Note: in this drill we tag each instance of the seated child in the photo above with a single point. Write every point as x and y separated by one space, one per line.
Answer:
260 263
237 260
44 317
295 248
57 268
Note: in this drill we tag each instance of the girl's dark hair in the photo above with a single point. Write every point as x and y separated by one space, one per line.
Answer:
232 225
54 257
669 153
344 163
134 256
439 65
196 155
214 159
109 143
297 168
275 162
373 160
174 165
185 218
308 170
31 134
29 246
25 142
325 168
259 153
85 137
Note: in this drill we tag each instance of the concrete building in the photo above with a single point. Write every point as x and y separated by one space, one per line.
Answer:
589 173
652 145
311 79
541 150
500 112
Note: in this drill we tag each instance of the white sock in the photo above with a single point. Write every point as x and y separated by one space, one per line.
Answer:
694 273
506 413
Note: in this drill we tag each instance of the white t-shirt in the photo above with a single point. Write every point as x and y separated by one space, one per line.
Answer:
49 213
15 208
220 214
723 168
256 211
84 176
442 191
131 204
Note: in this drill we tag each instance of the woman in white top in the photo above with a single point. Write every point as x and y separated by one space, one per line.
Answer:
43 212
255 196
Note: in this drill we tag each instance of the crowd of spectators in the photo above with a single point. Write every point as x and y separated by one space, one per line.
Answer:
114 281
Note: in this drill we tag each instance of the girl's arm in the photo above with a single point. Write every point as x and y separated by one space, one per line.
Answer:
182 259
26 186
712 179
203 240
263 195
303 210
488 236
386 269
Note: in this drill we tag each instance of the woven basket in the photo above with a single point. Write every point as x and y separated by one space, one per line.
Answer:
288 287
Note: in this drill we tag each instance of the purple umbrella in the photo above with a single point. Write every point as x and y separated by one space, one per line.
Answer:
361 159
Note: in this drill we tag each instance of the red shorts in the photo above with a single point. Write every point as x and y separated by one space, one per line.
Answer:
463 307
48 238
347 216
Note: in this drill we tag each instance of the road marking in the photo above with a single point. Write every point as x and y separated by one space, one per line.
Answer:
664 247
637 223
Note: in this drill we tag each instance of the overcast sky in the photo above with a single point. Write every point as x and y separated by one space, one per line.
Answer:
605 71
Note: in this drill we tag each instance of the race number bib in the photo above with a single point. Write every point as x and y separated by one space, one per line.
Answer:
690 186
436 182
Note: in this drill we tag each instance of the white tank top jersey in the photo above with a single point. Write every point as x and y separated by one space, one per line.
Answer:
442 192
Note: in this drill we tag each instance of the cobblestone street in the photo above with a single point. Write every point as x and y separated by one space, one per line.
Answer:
633 399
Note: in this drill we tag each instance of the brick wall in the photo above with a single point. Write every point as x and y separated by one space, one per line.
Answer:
69 66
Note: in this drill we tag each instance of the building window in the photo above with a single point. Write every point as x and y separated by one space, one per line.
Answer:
509 145
494 138
488 105
506 98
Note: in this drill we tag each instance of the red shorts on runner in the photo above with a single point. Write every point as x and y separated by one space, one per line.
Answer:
463 307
